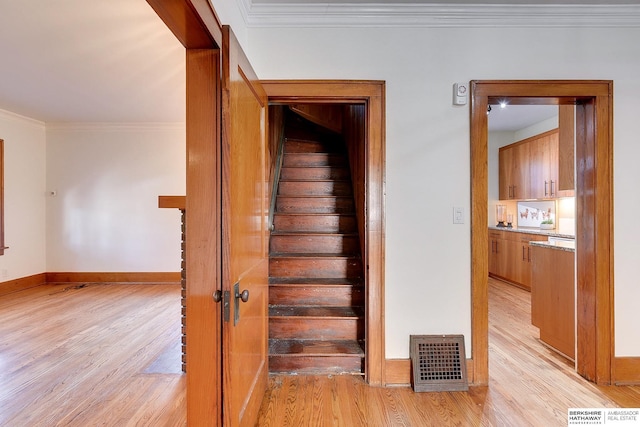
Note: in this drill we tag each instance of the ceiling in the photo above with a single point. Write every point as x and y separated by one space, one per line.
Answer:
110 61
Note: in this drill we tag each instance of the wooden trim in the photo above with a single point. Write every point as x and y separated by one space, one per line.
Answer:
594 199
177 202
626 370
398 371
113 277
193 22
372 94
22 283
203 238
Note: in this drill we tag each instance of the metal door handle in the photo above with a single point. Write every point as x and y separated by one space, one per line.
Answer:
217 296
244 295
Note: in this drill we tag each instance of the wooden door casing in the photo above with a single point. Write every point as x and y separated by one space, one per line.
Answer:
245 208
594 214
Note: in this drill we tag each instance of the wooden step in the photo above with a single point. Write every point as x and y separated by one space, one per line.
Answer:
314 204
319 172
315 292
312 356
314 188
314 265
313 160
281 242
317 323
292 145
328 223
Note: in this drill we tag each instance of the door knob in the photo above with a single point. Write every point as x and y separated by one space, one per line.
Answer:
244 295
217 296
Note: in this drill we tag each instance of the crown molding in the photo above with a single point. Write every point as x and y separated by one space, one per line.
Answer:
315 15
6 114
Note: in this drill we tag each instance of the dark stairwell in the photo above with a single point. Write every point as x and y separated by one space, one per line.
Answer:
316 292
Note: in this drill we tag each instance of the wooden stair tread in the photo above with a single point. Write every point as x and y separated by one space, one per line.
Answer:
282 255
306 281
308 312
296 348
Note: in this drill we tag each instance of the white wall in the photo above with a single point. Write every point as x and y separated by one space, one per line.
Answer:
428 258
24 196
105 216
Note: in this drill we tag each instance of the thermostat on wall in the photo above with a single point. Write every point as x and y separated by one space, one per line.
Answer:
460 93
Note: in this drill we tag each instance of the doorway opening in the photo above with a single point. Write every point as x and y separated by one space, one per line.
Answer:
594 207
369 176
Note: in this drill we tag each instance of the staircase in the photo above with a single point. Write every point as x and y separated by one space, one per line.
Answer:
316 294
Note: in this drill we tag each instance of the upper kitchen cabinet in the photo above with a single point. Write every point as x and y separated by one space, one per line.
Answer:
543 165
529 169
514 171
566 150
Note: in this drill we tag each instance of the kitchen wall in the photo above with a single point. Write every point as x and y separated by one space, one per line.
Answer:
427 140
107 178
24 196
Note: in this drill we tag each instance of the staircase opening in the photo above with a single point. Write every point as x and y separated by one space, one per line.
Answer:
316 277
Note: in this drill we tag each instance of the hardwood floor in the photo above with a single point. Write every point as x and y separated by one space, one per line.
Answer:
91 355
109 355
530 385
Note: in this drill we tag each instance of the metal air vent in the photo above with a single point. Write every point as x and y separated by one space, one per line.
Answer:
438 363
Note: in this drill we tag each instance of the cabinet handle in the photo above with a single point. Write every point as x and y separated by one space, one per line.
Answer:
552 190
524 258
529 254
545 189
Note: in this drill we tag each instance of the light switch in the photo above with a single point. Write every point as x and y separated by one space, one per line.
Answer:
458 215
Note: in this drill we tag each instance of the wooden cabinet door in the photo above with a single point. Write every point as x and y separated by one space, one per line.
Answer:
506 159
245 207
544 166
514 172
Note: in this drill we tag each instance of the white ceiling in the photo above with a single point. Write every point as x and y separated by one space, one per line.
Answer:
113 60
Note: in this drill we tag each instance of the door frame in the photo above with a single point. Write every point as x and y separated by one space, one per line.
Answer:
594 214
372 95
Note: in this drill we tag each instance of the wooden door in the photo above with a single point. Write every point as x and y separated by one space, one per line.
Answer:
244 237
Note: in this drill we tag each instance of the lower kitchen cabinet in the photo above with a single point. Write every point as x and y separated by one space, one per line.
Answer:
510 256
553 297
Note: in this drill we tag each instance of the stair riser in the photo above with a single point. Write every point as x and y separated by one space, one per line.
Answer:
313 159
309 174
316 364
315 328
327 224
314 188
334 296
328 205
296 146
314 267
328 244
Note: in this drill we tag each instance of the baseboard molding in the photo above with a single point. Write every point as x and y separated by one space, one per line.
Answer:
112 277
398 371
22 283
626 370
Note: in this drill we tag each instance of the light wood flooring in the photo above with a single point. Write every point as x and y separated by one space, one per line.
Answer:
94 355
108 355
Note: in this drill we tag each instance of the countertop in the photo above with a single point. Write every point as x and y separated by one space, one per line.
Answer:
550 233
561 245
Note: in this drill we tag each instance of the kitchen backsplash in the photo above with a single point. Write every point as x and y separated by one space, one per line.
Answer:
530 213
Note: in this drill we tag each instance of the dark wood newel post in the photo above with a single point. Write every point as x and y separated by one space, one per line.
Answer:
179 202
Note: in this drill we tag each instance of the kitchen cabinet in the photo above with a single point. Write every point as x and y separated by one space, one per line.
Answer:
553 297
543 166
514 171
529 169
510 256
